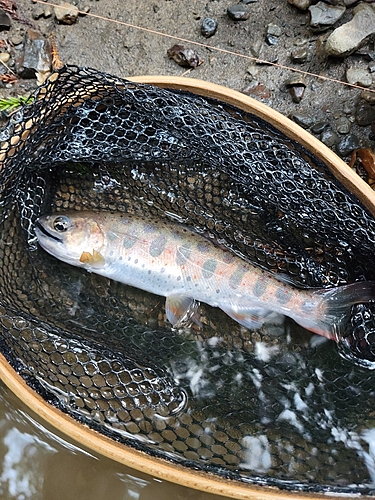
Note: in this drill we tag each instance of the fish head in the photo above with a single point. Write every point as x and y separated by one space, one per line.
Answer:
67 236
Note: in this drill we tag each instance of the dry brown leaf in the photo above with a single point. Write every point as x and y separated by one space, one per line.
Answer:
7 78
367 158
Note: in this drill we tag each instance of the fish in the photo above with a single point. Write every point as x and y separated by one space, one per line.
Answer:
165 258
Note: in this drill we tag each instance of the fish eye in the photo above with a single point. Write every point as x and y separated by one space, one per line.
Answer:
61 223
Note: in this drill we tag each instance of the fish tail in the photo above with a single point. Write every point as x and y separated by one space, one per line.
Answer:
336 305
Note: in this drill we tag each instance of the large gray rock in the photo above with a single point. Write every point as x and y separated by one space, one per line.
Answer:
350 36
322 16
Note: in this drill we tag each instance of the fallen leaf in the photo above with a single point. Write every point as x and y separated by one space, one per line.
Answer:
367 158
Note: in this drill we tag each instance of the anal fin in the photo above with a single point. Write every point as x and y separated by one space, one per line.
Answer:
252 317
182 311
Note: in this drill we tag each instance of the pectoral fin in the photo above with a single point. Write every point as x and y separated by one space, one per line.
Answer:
182 311
94 259
253 318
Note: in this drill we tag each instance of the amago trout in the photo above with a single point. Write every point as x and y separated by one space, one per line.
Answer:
164 258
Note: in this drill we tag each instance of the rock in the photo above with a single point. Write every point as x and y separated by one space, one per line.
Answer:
343 125
66 13
368 96
36 56
4 57
238 12
347 144
209 27
5 21
257 90
350 36
322 16
300 4
329 138
274 29
38 12
358 76
272 39
305 120
48 11
301 53
364 114
297 92
319 127
184 57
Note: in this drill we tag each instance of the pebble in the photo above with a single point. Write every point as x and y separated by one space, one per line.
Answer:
329 137
272 39
4 57
36 55
297 92
5 21
364 113
238 12
347 144
209 27
66 13
38 12
358 76
347 38
257 90
305 120
368 96
343 125
300 54
319 127
300 4
274 29
323 16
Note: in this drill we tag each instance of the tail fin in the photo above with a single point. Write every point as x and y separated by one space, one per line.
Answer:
336 305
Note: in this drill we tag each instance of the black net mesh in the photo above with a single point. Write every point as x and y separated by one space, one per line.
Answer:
270 406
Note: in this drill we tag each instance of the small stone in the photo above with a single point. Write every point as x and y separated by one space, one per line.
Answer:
368 96
347 144
319 127
272 39
16 39
209 27
184 57
300 4
343 125
329 138
38 12
364 114
5 21
4 57
66 13
48 11
305 120
358 76
300 54
297 92
238 12
249 1
322 16
371 67
253 70
258 90
36 56
350 36
274 29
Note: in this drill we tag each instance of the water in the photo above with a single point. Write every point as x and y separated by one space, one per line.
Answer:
37 463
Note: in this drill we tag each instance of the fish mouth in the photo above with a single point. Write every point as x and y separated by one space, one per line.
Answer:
43 230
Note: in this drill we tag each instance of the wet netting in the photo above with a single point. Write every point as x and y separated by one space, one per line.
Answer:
271 406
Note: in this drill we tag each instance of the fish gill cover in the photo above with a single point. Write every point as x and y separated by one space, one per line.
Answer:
251 405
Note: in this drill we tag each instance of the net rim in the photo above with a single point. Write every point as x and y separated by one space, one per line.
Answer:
138 460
